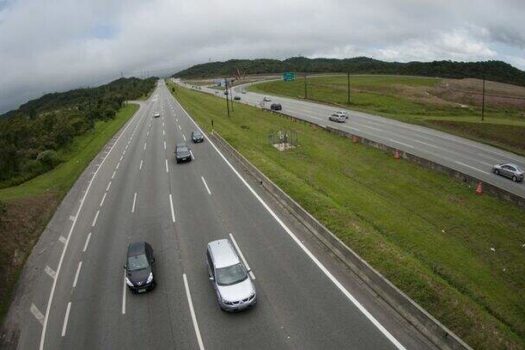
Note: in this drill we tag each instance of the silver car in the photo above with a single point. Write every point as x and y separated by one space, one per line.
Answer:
337 118
512 171
229 277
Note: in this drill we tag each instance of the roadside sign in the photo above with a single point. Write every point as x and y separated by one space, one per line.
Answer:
288 76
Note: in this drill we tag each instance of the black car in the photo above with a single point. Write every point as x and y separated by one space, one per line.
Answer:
276 107
182 153
237 98
197 136
140 274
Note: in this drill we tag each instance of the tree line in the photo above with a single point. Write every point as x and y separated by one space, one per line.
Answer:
31 135
490 70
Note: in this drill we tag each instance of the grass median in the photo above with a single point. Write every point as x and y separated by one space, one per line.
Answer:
459 255
451 105
29 206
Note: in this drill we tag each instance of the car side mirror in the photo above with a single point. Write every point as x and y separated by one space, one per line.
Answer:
125 267
212 278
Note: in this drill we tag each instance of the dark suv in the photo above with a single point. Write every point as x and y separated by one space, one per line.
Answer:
140 274
276 107
182 153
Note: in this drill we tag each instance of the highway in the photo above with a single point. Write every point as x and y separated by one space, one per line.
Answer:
73 294
469 157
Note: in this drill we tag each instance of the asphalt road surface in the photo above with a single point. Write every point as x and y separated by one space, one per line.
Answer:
77 298
468 157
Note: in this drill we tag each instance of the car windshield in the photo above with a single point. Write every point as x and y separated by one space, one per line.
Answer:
230 275
137 262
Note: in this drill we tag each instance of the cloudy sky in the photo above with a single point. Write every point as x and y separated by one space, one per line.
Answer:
55 45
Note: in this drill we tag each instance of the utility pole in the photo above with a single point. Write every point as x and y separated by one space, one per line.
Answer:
483 101
227 103
348 88
231 97
305 88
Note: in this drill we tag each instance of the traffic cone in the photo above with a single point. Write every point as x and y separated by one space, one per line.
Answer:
397 155
479 188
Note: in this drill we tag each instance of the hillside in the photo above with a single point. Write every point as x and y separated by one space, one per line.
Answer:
32 135
492 70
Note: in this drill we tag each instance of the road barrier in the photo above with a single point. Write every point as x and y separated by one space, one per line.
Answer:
424 322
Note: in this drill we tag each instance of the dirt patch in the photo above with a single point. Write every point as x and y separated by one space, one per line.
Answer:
20 226
470 92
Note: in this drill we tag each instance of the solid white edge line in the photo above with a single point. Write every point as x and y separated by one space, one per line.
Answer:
338 284
172 210
134 202
124 295
192 312
95 219
103 199
140 166
87 242
471 167
206 185
76 274
167 170
66 318
242 256
53 287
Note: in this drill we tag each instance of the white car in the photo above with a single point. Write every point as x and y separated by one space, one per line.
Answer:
341 114
266 99
156 115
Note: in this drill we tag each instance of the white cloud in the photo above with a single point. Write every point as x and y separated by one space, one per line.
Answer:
47 46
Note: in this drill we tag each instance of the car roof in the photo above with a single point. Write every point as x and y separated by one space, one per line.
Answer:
136 248
181 145
223 253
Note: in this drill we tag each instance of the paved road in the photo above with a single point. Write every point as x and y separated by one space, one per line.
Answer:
136 191
469 157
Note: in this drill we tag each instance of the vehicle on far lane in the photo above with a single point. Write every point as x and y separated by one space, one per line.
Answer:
337 118
243 91
237 98
276 107
156 115
229 277
182 153
197 136
341 114
266 99
140 262
509 170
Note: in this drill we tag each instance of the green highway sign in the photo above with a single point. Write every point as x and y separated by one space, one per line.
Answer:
288 76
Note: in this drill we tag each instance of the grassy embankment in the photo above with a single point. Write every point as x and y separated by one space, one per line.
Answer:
428 234
30 205
447 104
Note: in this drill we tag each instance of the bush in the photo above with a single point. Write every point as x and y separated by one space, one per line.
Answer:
48 158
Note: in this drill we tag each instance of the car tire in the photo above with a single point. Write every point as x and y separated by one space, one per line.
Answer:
514 178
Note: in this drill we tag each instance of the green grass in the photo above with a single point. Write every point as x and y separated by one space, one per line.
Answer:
405 99
428 234
75 159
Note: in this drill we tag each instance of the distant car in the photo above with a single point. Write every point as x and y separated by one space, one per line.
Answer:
337 118
266 99
341 113
197 136
237 98
512 171
140 262
243 91
156 115
182 153
229 277
276 107
226 92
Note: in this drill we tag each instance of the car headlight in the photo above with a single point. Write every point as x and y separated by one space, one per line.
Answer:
128 282
150 278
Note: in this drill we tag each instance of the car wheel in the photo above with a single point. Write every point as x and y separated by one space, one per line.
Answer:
496 171
514 178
